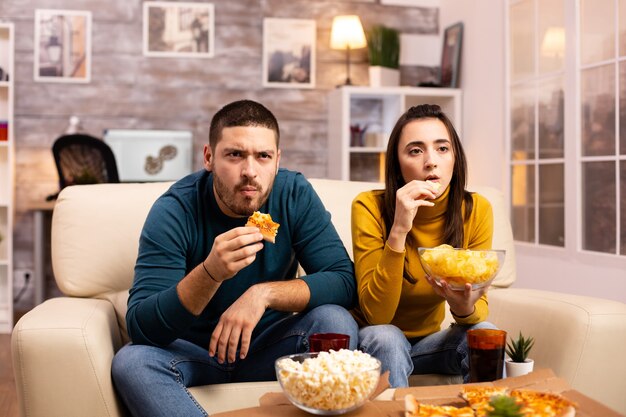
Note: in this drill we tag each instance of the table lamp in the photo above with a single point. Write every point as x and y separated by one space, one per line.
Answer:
553 43
347 33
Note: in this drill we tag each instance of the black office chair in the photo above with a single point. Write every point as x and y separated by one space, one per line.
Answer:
83 159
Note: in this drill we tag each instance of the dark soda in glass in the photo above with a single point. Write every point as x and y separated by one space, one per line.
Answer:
486 354
486 364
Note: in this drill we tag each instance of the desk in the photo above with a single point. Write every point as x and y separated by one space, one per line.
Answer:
39 240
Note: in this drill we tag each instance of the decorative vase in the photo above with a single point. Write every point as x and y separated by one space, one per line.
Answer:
384 77
518 368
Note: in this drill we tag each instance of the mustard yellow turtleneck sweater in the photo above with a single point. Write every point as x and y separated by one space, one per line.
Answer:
385 297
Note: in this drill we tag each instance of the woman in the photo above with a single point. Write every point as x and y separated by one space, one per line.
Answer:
424 204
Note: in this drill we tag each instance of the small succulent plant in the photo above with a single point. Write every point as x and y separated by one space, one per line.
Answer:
519 348
504 406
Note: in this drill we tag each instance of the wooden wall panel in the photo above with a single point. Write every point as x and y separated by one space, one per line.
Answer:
128 90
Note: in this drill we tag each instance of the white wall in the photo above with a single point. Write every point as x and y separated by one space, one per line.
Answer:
483 134
482 81
574 273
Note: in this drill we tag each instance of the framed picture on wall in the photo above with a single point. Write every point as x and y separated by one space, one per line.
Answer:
289 53
451 55
62 46
178 29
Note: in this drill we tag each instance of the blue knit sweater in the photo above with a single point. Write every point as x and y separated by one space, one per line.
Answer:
179 233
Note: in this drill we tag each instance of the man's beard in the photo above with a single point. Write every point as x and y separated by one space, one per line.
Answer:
242 206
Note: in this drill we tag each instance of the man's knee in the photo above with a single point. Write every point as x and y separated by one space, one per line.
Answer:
332 313
124 360
384 336
130 361
331 318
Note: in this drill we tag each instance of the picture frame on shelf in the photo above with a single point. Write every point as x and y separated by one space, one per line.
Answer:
289 53
451 56
178 30
62 46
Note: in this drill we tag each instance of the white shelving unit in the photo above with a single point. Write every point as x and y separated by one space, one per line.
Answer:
375 110
7 152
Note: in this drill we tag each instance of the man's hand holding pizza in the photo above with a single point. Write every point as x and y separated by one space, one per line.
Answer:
232 251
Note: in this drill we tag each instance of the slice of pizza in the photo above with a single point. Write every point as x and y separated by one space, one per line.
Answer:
264 222
414 408
544 404
478 397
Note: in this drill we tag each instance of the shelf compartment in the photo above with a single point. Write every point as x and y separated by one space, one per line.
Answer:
4 290
5 233
4 104
367 166
374 111
5 186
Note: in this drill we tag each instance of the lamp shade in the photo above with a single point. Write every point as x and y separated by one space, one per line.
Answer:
347 32
553 43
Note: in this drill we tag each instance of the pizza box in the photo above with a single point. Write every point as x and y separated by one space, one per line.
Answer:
539 380
277 405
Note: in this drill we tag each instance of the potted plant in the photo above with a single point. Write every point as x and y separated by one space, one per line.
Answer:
383 44
518 363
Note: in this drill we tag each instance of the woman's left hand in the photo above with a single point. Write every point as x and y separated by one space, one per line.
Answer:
461 302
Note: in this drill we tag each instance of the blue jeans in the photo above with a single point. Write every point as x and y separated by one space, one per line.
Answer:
443 352
153 381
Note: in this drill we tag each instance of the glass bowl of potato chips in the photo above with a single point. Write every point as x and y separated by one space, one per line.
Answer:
459 266
328 383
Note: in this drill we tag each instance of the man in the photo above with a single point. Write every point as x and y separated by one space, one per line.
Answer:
203 280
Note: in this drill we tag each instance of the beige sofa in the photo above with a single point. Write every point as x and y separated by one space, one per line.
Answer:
62 349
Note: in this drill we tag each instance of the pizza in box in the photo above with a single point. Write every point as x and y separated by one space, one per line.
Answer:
496 402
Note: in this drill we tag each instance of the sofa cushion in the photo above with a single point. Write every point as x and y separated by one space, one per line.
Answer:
337 197
95 235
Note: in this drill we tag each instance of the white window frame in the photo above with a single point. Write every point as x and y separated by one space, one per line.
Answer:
573 158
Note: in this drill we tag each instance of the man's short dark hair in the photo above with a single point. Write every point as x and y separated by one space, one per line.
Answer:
241 113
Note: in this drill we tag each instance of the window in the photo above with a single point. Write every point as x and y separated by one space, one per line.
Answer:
582 151
602 121
537 94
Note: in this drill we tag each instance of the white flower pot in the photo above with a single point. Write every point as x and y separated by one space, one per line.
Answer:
384 77
518 368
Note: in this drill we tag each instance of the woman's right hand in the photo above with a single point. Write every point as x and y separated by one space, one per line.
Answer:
409 199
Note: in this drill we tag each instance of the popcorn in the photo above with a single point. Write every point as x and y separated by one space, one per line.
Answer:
472 266
334 380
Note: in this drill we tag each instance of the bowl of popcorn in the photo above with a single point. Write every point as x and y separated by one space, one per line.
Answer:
461 266
328 383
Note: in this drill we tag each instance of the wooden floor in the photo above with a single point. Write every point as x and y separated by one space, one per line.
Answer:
8 397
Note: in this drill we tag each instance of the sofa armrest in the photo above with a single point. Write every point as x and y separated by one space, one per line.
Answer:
579 338
62 352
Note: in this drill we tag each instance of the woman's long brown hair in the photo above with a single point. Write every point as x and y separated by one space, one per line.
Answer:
453 228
